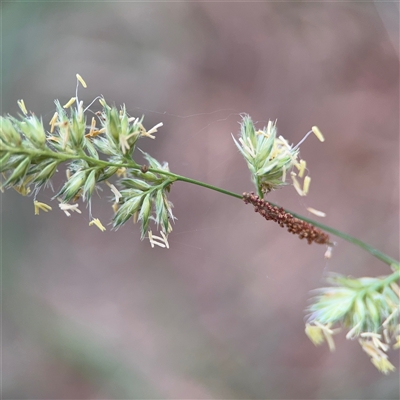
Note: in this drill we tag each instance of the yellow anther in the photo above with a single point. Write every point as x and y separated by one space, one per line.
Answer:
41 206
80 79
21 105
70 102
318 133
306 185
302 168
97 222
121 172
53 121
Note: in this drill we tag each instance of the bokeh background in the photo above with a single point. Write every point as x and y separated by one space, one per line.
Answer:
220 315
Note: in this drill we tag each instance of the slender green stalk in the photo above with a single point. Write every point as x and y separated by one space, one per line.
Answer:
393 277
199 183
131 164
376 253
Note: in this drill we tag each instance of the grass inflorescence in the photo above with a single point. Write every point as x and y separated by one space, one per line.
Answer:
99 148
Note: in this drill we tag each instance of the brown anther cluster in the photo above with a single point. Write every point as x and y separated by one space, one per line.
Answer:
294 225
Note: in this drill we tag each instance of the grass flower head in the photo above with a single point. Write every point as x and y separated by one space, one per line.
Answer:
368 307
269 157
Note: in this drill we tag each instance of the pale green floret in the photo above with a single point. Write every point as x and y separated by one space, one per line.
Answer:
148 176
10 161
19 173
159 205
106 146
89 185
9 134
78 129
124 122
33 130
165 217
374 314
153 163
106 173
358 314
127 209
44 174
112 123
144 214
4 160
163 211
72 187
91 149
135 184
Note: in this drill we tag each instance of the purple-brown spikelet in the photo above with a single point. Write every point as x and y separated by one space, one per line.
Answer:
294 225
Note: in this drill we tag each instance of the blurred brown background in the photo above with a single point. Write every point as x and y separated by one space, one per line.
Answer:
221 314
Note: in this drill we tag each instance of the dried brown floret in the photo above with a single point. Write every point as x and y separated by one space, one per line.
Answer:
294 225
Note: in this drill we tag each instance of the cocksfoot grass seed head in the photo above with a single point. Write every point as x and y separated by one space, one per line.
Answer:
270 157
367 307
361 304
95 152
